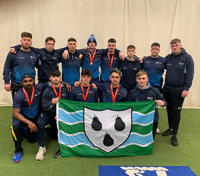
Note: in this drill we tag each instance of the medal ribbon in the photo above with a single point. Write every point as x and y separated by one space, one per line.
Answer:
85 95
56 93
32 95
114 95
92 56
111 61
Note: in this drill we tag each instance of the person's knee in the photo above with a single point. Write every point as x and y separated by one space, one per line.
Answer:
42 120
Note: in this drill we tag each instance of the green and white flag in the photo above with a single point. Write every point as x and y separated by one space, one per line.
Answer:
105 129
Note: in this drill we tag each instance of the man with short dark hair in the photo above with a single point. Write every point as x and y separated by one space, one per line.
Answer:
154 65
145 92
85 91
16 65
129 67
110 60
71 65
178 80
26 109
112 91
50 97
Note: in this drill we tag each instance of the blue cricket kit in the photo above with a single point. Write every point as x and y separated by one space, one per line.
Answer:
18 64
92 61
110 94
129 70
30 111
154 68
71 68
84 94
109 62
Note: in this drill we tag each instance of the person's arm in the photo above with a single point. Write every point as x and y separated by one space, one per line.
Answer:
7 71
61 50
69 88
47 103
160 101
20 117
189 73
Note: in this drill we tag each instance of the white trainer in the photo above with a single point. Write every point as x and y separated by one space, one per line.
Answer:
40 154
157 131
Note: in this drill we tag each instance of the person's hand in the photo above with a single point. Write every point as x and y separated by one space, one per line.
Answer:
160 102
184 93
33 128
56 117
141 59
77 83
12 50
69 88
121 56
7 87
65 54
94 86
55 100
80 56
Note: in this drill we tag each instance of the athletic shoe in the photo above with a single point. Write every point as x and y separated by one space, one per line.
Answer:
174 140
167 132
157 131
57 154
17 157
40 154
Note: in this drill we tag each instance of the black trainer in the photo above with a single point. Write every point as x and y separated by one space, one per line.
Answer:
57 154
167 132
174 140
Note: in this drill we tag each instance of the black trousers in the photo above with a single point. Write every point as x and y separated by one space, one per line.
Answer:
46 118
174 106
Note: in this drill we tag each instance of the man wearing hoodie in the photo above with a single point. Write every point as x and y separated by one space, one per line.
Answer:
145 92
178 80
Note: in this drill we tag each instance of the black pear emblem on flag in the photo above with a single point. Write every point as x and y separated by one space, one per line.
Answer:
96 124
107 129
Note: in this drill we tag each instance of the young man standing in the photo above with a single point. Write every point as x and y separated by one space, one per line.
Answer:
129 67
154 65
110 60
85 91
50 97
71 65
178 80
16 65
113 92
26 109
146 92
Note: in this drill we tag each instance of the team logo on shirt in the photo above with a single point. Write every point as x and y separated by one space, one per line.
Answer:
107 129
54 58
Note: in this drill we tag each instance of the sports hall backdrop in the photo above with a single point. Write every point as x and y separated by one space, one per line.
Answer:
137 22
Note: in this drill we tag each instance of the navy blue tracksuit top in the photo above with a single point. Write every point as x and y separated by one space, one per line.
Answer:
180 71
18 64
129 70
154 68
77 94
